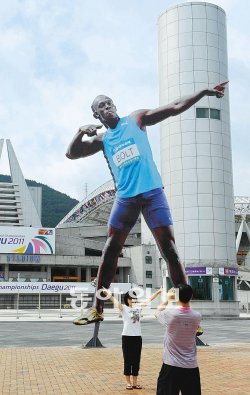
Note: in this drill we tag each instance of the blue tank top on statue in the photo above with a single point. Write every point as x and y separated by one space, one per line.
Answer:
129 155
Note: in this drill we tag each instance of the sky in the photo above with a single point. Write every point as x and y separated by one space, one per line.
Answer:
57 55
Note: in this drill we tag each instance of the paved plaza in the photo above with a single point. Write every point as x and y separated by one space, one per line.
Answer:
68 370
46 357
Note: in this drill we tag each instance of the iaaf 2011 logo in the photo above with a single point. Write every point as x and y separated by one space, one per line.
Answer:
46 232
37 245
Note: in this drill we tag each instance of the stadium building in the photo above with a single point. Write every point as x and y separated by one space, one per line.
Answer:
20 205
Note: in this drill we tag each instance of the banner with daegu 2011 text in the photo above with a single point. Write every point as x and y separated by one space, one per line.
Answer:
27 240
57 287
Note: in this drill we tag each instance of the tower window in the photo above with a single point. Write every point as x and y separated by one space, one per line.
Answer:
212 113
202 112
148 274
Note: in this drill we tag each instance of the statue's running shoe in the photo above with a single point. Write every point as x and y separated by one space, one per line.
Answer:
90 316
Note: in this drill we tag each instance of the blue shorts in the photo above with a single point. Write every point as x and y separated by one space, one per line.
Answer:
152 204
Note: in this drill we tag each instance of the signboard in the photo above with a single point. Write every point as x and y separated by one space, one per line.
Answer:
23 258
228 271
27 240
56 287
199 271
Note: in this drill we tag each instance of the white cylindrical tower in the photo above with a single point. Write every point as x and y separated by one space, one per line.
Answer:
196 162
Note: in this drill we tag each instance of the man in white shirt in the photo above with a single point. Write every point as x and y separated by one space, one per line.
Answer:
179 372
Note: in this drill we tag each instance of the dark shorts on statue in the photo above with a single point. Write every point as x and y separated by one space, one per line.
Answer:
152 204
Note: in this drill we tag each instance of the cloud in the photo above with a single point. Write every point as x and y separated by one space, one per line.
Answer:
57 56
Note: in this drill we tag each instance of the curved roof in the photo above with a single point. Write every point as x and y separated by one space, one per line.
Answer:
95 208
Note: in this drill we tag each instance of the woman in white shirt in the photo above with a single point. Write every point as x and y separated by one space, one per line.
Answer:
131 334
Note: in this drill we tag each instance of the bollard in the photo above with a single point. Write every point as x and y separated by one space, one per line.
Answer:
60 313
17 305
39 305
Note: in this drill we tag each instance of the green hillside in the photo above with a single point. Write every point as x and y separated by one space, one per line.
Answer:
55 205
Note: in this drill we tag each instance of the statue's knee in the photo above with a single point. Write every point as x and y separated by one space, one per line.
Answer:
167 243
113 247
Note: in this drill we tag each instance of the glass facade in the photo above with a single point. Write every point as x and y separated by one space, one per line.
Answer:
202 287
226 288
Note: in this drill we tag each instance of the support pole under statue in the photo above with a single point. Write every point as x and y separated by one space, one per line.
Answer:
94 342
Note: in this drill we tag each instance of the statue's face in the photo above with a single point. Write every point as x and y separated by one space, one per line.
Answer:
104 108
